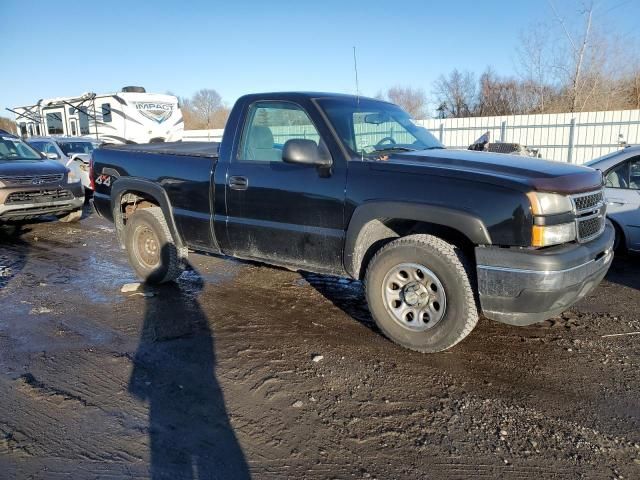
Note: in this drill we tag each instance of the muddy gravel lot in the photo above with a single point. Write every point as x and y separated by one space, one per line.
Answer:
241 370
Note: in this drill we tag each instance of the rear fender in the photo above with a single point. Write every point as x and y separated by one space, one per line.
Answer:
149 189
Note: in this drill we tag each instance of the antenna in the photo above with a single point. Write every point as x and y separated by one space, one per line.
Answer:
355 67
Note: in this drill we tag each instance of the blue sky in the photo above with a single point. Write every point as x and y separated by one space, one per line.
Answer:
65 48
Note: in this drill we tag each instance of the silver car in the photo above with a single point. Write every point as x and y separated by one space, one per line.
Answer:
73 152
621 170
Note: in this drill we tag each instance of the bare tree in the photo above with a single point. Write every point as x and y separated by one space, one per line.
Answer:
570 64
456 94
498 96
208 108
413 100
533 67
8 125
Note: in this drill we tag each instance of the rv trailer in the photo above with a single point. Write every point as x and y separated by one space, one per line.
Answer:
129 116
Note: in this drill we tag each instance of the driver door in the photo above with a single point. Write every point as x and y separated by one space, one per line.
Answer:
288 214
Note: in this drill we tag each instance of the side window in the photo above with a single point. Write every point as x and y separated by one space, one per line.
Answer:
634 173
84 120
106 112
618 177
54 124
269 126
23 129
39 146
50 148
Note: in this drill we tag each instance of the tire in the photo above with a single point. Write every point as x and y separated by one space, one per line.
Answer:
619 243
72 217
437 294
151 249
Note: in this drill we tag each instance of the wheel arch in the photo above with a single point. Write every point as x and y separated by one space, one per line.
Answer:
620 230
374 224
140 193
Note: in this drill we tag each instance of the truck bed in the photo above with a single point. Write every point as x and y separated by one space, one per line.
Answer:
191 149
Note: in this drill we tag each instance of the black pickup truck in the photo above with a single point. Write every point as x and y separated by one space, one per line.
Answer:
351 186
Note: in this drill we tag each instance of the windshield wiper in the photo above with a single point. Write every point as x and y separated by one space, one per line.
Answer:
395 149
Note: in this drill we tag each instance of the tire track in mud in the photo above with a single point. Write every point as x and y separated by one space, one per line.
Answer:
367 410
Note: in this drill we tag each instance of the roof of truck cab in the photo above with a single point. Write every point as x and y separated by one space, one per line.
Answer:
308 95
192 149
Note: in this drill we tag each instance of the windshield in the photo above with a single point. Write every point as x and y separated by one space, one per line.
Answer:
370 128
76 147
12 148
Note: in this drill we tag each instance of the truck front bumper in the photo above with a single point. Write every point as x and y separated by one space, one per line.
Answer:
521 287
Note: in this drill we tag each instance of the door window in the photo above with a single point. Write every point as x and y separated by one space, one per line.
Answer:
269 126
50 148
634 173
618 177
54 123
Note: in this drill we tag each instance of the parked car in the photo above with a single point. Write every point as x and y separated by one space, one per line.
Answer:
73 152
350 186
621 171
32 186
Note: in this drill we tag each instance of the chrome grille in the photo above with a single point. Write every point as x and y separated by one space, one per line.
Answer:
31 179
590 214
39 196
590 228
588 201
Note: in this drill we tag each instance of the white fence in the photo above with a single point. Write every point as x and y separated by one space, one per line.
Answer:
213 135
565 137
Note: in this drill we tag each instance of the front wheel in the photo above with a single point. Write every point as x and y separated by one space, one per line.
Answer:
151 249
419 293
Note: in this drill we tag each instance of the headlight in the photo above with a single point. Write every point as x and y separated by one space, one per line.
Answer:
546 235
72 177
549 203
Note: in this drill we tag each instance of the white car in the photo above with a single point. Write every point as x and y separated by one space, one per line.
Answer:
72 152
621 171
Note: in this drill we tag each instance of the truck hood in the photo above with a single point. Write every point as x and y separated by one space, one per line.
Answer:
10 168
529 173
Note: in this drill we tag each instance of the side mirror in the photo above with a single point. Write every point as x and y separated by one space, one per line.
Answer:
53 156
298 150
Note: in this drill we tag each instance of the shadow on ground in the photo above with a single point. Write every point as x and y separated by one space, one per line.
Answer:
174 371
625 270
13 252
346 294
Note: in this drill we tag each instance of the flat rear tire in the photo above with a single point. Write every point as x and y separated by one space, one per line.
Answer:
151 249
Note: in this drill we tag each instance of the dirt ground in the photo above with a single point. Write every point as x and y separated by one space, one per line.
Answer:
215 377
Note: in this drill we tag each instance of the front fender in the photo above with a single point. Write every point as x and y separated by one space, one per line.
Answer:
463 222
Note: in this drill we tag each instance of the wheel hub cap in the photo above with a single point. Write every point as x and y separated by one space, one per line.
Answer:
414 296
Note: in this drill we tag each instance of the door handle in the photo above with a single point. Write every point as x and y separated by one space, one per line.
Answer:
238 183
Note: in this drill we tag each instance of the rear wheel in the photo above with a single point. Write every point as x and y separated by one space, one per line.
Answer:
419 293
151 249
